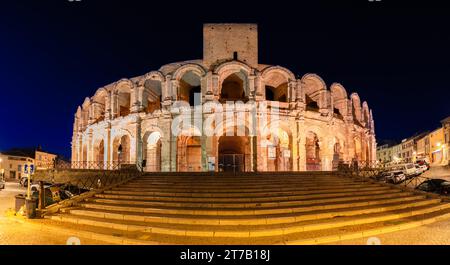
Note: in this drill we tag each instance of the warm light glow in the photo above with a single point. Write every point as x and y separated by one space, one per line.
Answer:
438 144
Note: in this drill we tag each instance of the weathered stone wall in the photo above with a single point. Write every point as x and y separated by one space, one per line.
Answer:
220 41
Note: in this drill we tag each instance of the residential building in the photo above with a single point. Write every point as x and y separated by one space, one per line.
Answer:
15 167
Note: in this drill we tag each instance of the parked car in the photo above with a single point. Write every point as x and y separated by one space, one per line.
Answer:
423 164
438 186
420 169
396 177
408 169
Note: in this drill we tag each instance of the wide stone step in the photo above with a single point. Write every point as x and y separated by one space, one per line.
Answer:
122 199
212 194
245 231
238 184
115 236
248 219
136 196
150 191
244 211
243 188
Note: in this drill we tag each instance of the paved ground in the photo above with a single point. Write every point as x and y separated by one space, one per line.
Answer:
15 230
432 234
7 199
438 172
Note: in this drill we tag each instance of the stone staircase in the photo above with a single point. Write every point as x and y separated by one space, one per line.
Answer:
295 208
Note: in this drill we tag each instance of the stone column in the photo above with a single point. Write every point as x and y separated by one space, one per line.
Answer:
251 87
137 99
114 104
107 158
108 109
301 141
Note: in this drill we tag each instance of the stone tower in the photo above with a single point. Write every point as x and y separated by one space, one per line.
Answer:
224 42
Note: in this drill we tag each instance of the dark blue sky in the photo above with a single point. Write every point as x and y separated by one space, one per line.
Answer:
53 54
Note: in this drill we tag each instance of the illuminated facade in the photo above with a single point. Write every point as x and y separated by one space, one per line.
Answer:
301 124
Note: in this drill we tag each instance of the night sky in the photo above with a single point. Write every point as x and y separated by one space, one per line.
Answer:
53 54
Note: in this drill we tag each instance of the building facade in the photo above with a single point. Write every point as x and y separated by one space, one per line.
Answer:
446 128
384 154
437 147
15 167
225 111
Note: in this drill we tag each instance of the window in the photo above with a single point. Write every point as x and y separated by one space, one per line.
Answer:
19 168
235 55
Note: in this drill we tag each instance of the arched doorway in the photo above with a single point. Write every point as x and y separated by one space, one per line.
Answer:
337 154
279 157
152 152
121 150
189 154
234 154
313 161
99 154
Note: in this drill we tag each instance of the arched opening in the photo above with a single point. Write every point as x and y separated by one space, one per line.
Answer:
190 88
189 154
99 154
152 152
313 161
337 154
124 101
233 88
278 93
152 95
121 150
234 154
311 105
279 157
358 149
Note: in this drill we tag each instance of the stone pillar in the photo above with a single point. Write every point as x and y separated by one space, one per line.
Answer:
251 87
166 144
108 109
137 97
107 158
114 104
301 141
294 147
260 92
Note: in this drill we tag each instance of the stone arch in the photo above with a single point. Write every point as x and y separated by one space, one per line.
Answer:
278 146
339 97
121 141
276 81
152 151
315 92
99 104
233 81
152 93
123 90
358 156
189 85
313 152
356 108
99 153
190 67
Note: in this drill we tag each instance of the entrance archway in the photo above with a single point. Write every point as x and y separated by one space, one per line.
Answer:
152 152
121 150
189 156
234 153
313 161
99 153
279 156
